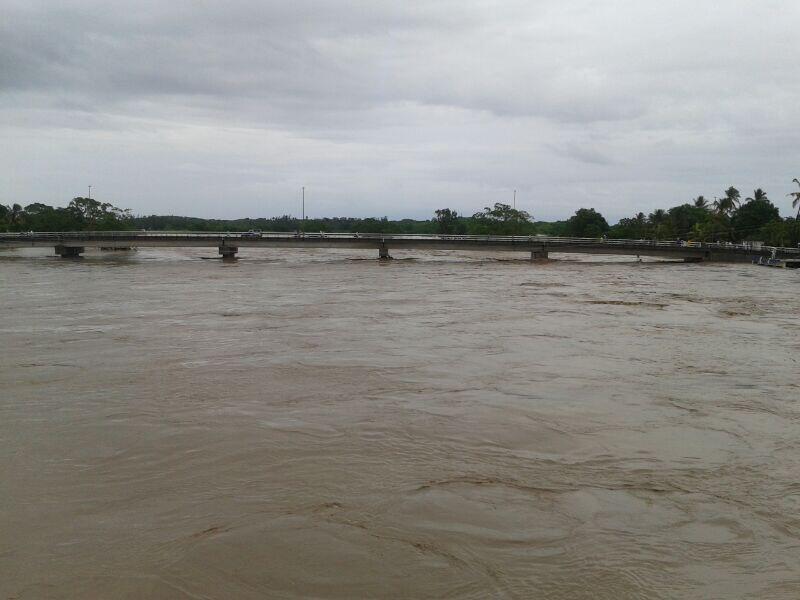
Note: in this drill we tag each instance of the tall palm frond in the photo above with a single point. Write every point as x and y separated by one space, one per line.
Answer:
796 199
758 194
733 197
723 206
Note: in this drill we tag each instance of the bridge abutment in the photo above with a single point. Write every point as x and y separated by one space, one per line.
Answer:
70 251
228 252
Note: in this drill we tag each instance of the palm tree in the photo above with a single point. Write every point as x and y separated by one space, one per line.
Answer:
641 225
722 206
758 194
657 216
720 219
796 199
734 198
728 203
657 219
701 202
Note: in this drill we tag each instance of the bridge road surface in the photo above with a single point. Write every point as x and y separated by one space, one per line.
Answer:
73 244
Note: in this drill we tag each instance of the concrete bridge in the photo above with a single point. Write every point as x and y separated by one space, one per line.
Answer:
73 244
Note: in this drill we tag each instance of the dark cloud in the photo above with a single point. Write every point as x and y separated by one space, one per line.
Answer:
392 108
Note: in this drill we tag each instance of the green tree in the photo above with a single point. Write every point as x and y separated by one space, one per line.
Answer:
641 224
701 202
91 214
781 233
683 218
729 202
633 228
447 221
734 196
659 224
503 220
723 209
556 228
702 231
753 215
16 217
587 222
758 194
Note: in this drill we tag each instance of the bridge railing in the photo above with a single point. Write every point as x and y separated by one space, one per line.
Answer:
553 241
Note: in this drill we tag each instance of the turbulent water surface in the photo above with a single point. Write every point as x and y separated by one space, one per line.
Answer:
315 424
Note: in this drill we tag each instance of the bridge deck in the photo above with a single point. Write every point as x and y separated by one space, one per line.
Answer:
539 245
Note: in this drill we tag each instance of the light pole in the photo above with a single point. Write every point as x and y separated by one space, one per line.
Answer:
515 199
303 222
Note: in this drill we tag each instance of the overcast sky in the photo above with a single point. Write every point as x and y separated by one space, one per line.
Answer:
225 109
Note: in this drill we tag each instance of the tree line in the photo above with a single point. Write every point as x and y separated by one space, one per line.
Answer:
727 218
81 214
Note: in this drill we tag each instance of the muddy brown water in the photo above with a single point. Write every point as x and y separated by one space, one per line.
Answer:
319 424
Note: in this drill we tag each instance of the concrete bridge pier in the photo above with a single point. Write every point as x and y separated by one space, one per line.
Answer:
70 251
383 252
228 252
539 254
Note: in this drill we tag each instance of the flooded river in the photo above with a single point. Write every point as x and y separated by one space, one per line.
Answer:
443 425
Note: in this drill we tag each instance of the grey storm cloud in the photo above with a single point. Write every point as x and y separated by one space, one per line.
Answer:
227 108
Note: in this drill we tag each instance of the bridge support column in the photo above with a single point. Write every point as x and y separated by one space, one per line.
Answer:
228 252
383 252
69 251
539 254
